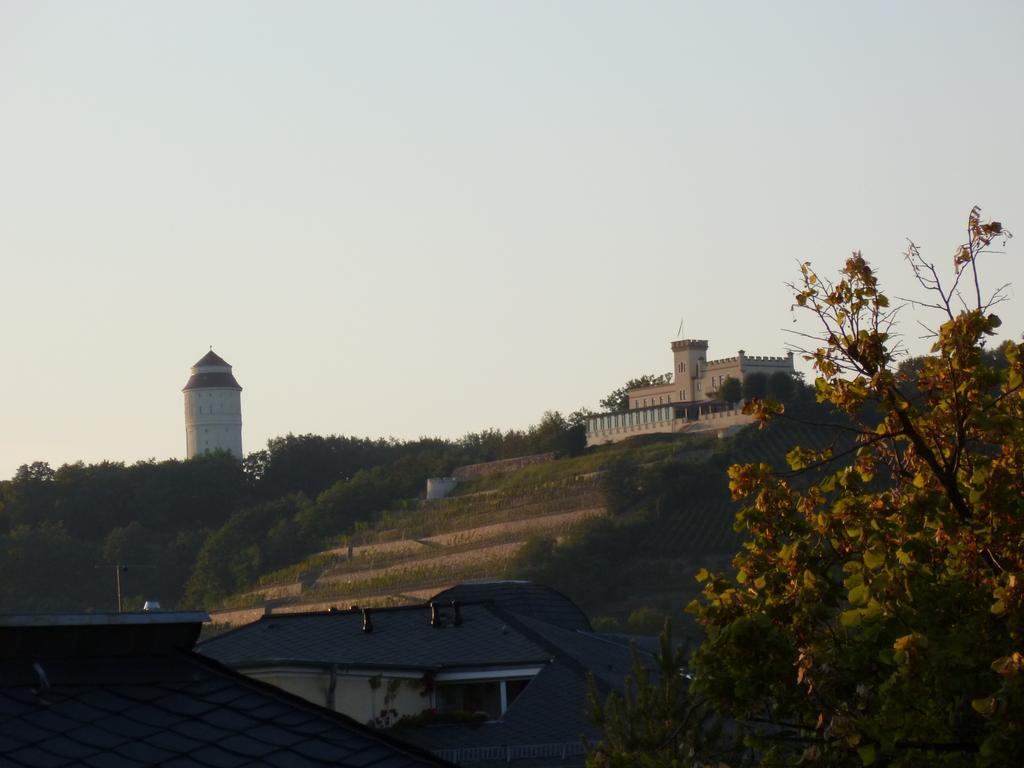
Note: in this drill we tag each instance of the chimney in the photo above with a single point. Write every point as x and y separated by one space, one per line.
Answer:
435 616
367 623
457 620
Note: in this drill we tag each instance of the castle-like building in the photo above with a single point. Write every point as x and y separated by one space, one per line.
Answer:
213 408
687 403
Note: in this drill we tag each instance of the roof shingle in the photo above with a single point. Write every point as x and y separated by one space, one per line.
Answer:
63 710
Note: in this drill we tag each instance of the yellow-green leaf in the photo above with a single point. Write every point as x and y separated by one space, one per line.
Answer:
986 706
859 595
851 618
867 754
874 558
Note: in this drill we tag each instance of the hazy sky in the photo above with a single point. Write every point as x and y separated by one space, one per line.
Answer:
429 218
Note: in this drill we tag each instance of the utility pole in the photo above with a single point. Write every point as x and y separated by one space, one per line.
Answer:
117 575
118 569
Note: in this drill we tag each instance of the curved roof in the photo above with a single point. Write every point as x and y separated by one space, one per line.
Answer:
522 597
220 379
211 381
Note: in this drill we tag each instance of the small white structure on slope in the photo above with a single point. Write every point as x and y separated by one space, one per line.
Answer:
213 408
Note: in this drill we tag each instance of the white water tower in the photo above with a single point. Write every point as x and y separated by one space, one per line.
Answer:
213 408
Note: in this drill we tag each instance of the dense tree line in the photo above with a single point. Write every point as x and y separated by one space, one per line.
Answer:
192 532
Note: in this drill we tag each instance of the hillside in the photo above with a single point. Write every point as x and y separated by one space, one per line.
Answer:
319 521
621 528
191 533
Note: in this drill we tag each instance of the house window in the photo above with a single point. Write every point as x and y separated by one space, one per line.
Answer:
512 690
491 698
471 697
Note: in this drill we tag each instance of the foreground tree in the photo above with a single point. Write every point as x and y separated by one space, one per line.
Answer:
656 723
875 616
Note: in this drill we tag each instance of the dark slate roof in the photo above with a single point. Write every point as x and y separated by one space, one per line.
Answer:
401 637
521 597
159 704
608 657
97 635
547 720
550 712
547 724
211 381
211 358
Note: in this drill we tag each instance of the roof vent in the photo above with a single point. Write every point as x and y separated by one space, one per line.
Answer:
43 690
367 623
435 615
457 619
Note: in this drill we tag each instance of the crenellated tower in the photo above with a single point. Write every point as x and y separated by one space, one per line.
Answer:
689 356
213 408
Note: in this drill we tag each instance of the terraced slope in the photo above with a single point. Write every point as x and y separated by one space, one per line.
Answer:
411 555
679 517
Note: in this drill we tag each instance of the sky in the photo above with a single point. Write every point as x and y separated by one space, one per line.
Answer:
409 218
